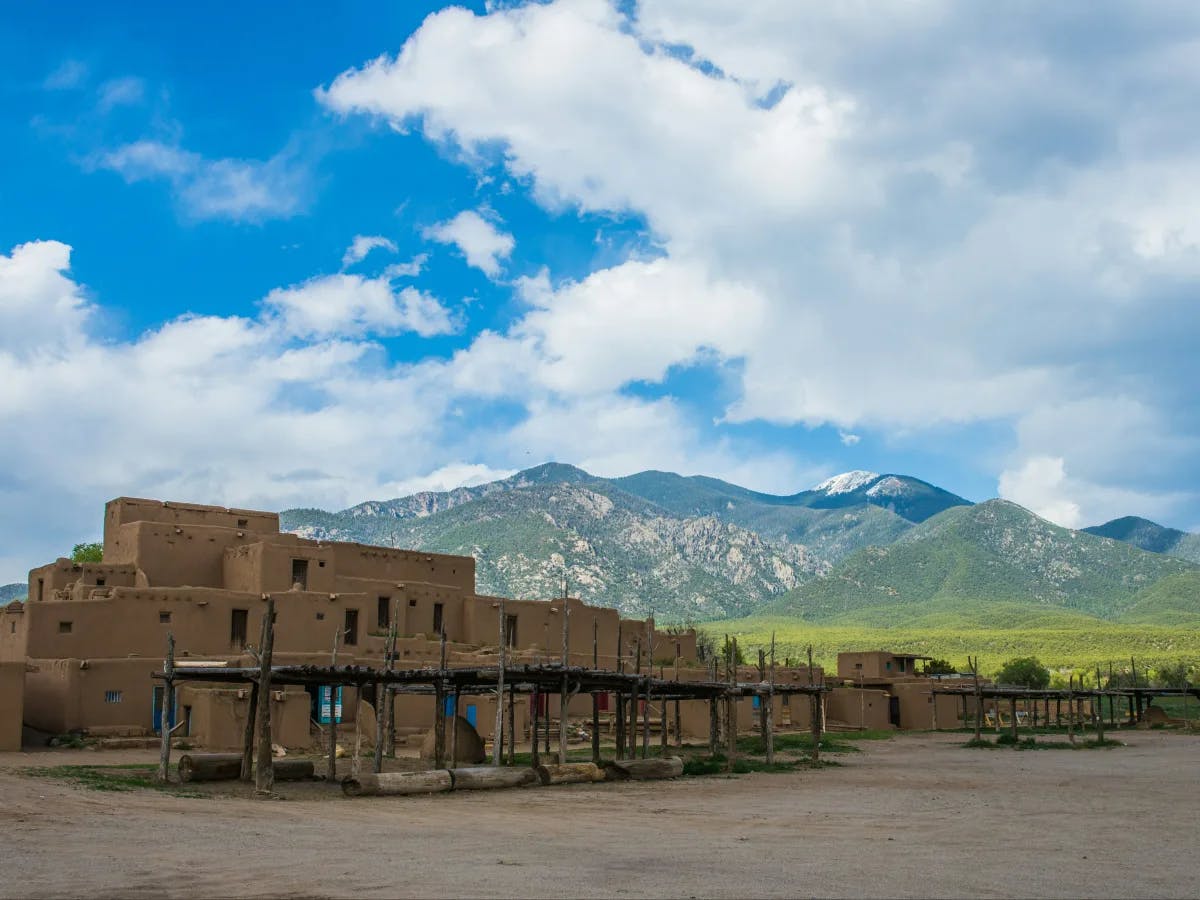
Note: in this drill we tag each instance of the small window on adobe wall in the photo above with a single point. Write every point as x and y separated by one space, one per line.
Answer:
64 627
164 618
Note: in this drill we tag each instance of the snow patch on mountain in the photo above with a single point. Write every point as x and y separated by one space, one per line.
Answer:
888 487
846 482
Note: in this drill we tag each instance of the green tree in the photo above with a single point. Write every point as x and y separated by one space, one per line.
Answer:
741 653
1173 675
87 553
939 667
1025 671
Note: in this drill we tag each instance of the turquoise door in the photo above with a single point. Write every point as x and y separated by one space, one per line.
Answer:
471 714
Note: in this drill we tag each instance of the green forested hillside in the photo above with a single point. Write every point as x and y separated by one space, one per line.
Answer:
995 552
1151 536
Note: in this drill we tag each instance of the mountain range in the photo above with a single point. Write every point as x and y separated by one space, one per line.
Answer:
858 547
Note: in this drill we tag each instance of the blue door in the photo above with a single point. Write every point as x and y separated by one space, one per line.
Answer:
449 707
471 714
323 713
757 701
158 698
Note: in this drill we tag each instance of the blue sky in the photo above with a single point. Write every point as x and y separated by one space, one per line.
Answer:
362 249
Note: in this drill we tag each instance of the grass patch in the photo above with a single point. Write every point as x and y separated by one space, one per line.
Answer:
117 778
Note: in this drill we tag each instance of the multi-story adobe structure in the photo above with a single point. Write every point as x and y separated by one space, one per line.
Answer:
80 653
879 689
91 635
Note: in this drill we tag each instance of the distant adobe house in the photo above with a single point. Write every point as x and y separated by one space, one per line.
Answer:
880 689
91 635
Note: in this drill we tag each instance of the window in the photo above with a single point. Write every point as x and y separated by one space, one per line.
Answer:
384 613
300 573
237 628
510 630
351 627
164 618
438 622
320 564
64 627
888 666
41 585
412 601
99 582
242 523
112 696
320 617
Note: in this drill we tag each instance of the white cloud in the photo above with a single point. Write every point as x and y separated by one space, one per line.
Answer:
477 239
848 439
70 74
1040 484
352 306
364 244
41 309
447 478
980 236
126 91
238 189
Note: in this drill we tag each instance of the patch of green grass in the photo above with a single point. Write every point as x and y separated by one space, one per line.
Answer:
118 778
980 743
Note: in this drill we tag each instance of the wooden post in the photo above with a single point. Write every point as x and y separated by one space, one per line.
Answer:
356 761
1112 713
1012 712
632 734
535 715
619 702
714 716
762 706
331 772
646 689
264 775
512 725
665 729
595 696
1071 709
439 716
733 722
818 725
770 729
563 695
974 664
248 735
454 728
933 700
498 735
678 717
377 766
164 752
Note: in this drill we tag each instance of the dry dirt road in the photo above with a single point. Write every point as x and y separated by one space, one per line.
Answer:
916 816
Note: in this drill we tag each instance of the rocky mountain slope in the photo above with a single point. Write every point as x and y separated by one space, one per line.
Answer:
859 547
615 547
11 592
1151 536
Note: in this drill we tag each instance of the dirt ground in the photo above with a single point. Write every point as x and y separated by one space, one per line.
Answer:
915 816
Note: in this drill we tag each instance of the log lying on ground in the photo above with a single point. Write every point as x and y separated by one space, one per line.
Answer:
643 769
569 773
479 778
388 784
210 766
228 766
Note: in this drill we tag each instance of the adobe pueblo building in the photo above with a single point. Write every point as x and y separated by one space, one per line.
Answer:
80 655
91 635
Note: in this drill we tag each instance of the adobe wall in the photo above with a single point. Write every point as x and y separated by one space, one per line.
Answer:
124 510
12 694
12 633
353 560
858 707
217 716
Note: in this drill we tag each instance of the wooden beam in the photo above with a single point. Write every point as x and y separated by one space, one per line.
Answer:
595 696
331 770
